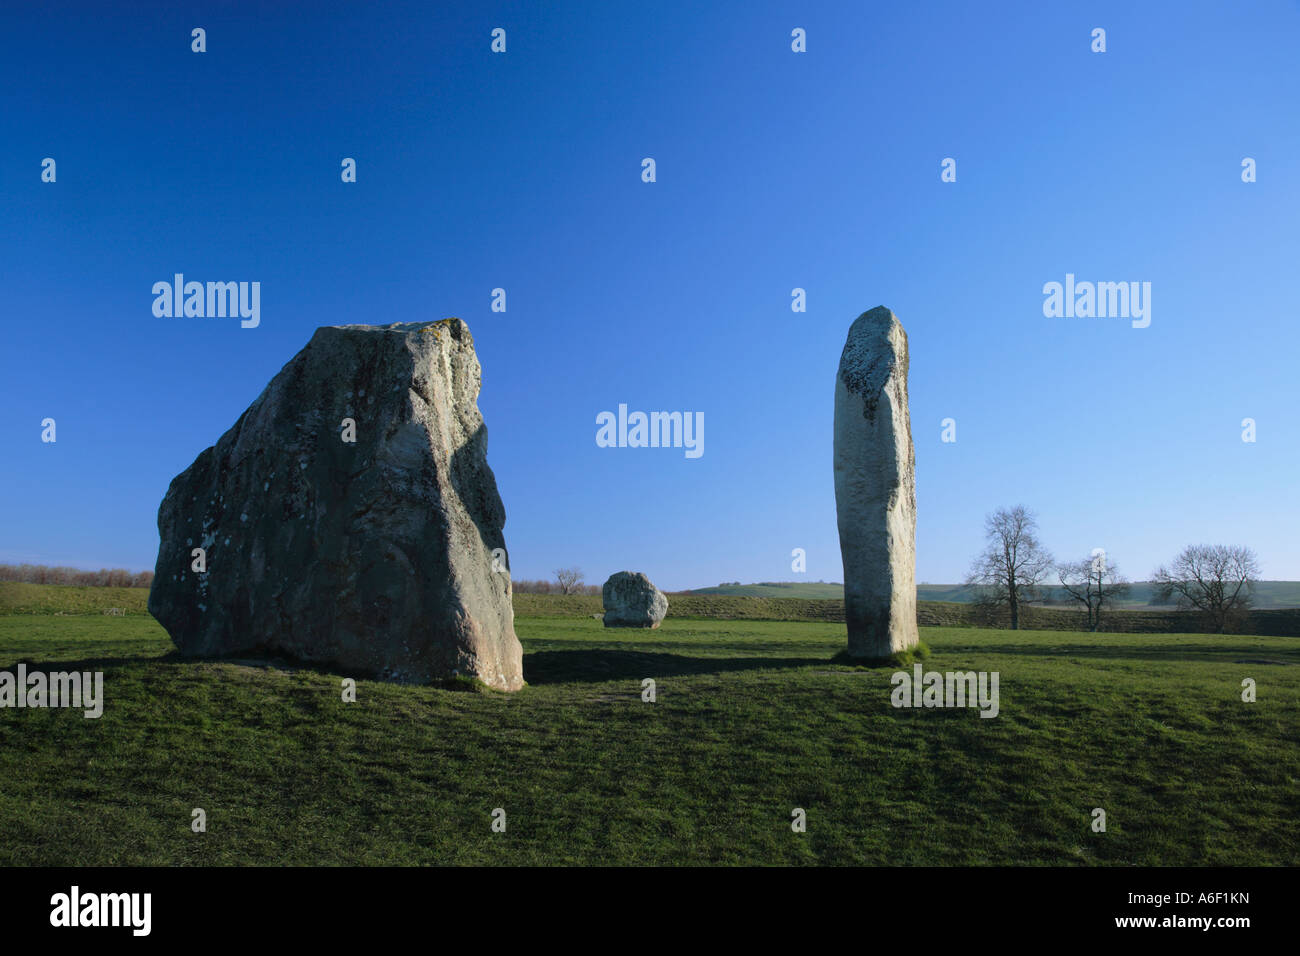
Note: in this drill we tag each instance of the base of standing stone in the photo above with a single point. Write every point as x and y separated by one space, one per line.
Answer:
917 652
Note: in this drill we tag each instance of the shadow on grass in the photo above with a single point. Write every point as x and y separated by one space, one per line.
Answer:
1150 652
92 663
599 664
269 663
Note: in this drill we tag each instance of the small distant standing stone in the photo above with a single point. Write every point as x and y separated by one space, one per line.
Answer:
632 601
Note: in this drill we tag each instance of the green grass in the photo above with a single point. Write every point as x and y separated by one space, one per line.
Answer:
715 606
751 721
913 655
777 589
28 599
18 598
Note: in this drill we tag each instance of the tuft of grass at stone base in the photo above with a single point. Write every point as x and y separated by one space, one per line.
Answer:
898 659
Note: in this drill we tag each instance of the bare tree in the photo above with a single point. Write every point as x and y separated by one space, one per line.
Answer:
1216 579
1008 571
1094 582
568 579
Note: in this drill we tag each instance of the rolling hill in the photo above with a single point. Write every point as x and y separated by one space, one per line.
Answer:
1269 595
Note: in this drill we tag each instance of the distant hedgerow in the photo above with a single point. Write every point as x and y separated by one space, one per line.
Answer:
75 577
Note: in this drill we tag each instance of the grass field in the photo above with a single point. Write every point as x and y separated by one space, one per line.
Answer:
42 599
33 599
751 721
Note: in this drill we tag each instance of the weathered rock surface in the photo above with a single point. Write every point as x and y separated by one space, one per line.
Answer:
875 487
374 556
632 601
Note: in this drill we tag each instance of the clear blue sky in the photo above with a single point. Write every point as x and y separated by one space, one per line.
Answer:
775 170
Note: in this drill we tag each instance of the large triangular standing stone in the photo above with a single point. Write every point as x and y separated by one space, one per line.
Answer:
349 518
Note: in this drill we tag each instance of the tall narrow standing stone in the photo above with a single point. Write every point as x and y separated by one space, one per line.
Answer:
875 487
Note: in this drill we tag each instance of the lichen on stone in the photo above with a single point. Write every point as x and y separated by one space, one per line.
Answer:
868 358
